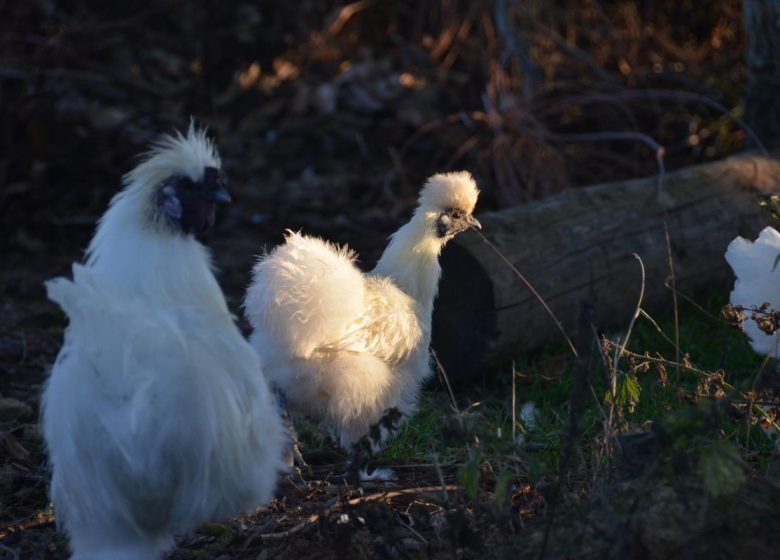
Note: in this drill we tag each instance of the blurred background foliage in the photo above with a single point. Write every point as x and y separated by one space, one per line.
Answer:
329 115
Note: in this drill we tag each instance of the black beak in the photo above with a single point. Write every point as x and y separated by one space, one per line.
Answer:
220 196
464 223
448 225
215 182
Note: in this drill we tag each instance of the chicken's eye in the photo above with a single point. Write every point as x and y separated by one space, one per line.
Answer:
456 214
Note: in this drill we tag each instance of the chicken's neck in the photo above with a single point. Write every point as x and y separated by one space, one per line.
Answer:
138 259
411 259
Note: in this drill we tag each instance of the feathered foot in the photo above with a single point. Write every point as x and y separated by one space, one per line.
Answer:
293 457
364 450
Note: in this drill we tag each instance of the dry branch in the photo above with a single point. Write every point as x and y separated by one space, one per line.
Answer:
762 110
579 246
312 519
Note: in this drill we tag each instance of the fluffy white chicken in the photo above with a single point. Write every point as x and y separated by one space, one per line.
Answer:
156 417
345 347
757 269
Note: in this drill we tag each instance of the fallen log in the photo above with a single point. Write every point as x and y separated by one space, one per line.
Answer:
578 246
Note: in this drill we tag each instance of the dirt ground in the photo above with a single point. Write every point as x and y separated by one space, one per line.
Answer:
328 117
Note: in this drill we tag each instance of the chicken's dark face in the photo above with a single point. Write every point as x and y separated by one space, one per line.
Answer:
190 206
453 221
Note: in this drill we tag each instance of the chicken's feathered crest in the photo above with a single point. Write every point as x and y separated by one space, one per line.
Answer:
129 226
449 190
186 154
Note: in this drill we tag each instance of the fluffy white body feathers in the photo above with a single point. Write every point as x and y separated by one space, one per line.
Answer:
345 346
758 281
156 416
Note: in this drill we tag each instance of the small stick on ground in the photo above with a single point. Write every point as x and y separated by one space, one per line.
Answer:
440 474
312 519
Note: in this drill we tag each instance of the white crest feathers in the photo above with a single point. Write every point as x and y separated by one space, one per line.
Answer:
182 154
450 190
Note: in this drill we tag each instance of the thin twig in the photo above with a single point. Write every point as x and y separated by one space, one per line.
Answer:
620 350
446 379
658 94
533 290
312 519
346 13
418 465
607 418
308 522
14 552
440 474
751 399
621 135
414 532
517 47
598 402
653 322
402 492
575 51
698 307
514 405
638 304
674 300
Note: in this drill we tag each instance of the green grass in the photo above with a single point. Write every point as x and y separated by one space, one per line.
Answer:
425 434
696 429
711 345
685 409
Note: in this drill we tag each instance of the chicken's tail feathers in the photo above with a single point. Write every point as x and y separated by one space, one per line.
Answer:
69 294
60 290
306 292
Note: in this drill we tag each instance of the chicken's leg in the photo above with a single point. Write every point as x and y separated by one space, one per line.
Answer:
364 449
293 457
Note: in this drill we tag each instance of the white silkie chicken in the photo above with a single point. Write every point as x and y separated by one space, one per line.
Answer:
756 266
347 347
156 416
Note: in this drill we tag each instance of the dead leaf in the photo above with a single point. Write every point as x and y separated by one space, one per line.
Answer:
13 409
12 446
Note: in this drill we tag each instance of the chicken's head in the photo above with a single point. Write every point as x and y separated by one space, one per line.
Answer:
447 202
181 181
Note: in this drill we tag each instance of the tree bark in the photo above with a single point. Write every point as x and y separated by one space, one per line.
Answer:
579 246
762 95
